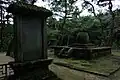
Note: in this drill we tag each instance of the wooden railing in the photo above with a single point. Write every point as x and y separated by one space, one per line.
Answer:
5 71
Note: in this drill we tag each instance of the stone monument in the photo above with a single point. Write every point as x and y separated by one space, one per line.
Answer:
81 49
30 53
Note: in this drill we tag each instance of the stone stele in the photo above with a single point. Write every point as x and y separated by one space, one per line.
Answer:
30 31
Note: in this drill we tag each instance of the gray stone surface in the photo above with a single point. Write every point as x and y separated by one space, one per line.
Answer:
65 73
29 32
31 61
31 38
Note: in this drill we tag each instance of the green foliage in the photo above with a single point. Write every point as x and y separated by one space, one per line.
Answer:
65 30
71 29
7 37
99 31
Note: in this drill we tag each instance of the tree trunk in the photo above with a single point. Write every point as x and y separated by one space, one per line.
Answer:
110 40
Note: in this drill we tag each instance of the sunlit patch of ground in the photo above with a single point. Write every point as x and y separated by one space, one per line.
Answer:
5 59
116 52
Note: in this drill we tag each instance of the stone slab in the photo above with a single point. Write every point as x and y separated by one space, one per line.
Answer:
104 66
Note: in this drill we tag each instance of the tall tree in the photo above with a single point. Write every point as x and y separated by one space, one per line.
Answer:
65 9
2 19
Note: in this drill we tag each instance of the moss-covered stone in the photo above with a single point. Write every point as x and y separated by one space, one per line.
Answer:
28 9
104 66
82 38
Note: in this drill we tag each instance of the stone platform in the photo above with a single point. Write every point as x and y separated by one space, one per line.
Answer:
31 70
103 65
82 53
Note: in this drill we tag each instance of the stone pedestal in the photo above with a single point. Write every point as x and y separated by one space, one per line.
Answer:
78 45
32 70
84 52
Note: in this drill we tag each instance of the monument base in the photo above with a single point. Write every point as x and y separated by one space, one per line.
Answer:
81 53
32 70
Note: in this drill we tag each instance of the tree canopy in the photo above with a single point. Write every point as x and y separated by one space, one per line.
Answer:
103 28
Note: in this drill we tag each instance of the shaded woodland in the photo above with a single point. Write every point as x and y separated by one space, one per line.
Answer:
102 27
